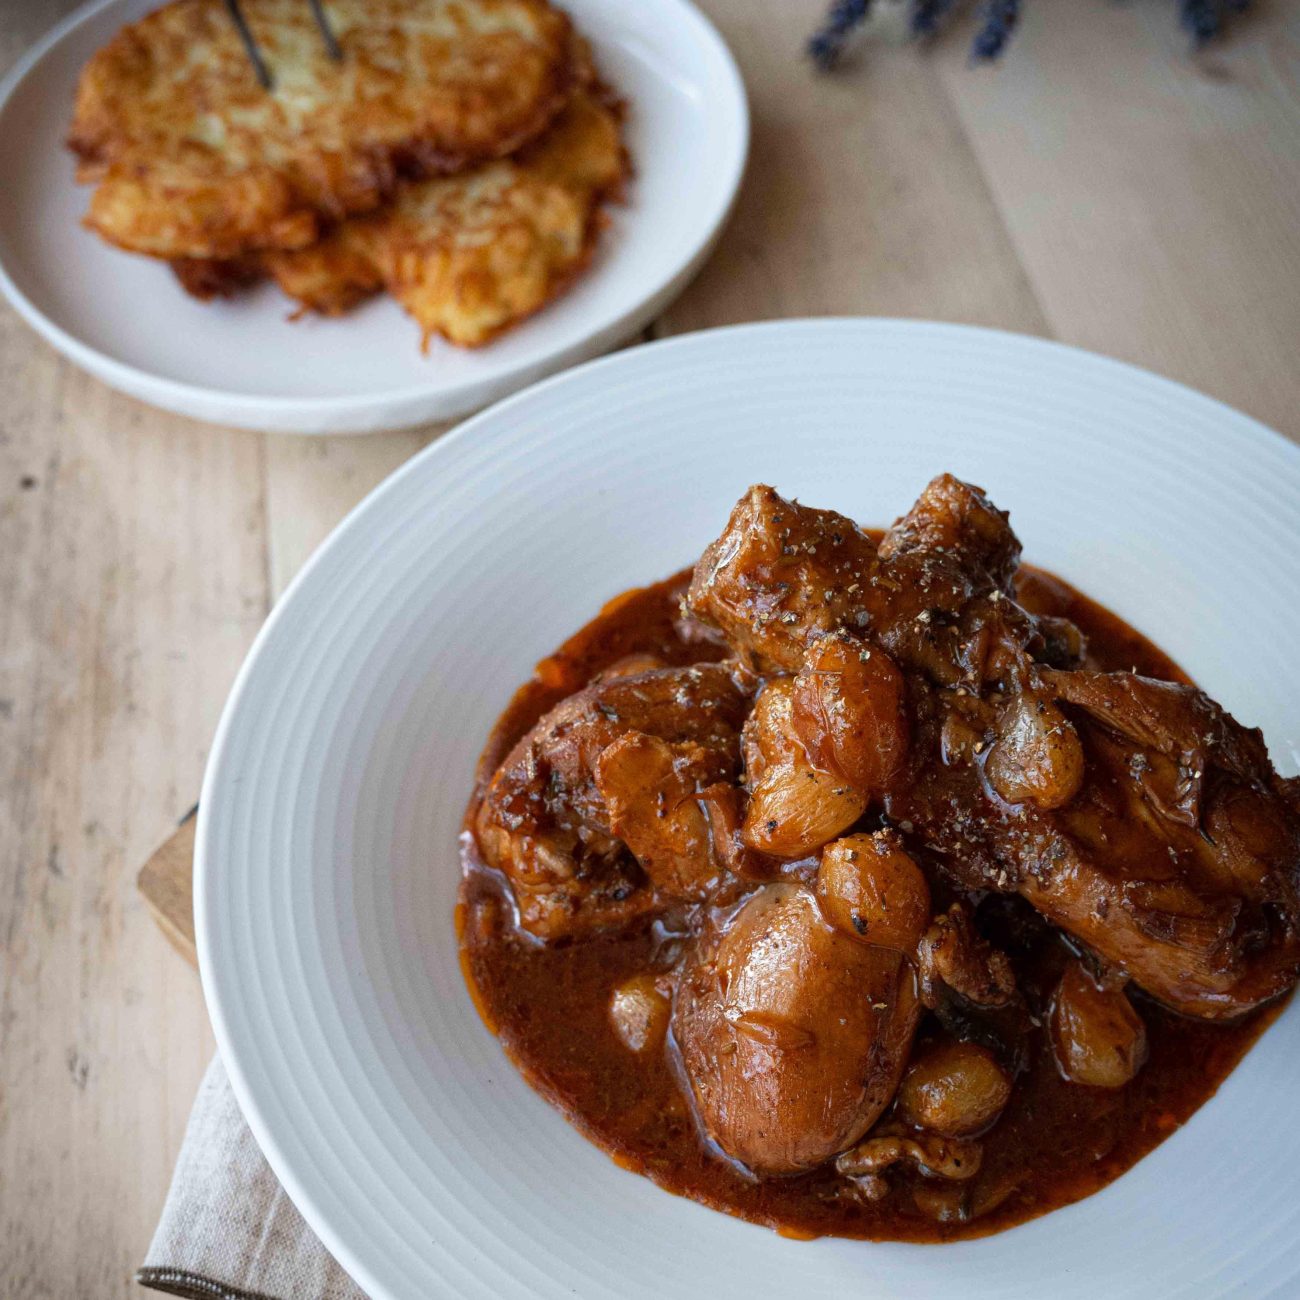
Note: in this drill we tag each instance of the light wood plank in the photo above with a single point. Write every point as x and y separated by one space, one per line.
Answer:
862 195
134 579
1153 198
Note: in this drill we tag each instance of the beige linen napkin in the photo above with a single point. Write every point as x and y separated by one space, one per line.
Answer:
228 1231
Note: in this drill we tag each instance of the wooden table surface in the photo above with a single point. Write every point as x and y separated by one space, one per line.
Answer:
1100 187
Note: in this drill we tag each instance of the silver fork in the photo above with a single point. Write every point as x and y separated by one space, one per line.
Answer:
255 55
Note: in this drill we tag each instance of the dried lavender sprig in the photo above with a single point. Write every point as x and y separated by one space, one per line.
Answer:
827 43
1000 18
1202 18
926 15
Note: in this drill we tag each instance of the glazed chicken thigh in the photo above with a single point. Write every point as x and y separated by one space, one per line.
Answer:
779 576
593 816
1178 857
934 597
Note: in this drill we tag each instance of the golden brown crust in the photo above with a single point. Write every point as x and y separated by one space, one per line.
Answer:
472 288
206 278
468 256
192 158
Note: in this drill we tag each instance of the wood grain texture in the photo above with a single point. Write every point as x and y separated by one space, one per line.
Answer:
1153 198
862 195
134 577
1098 186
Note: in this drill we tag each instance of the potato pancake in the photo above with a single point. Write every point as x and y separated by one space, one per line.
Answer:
193 158
469 255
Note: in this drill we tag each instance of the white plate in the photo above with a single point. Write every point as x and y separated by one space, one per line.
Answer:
125 319
327 857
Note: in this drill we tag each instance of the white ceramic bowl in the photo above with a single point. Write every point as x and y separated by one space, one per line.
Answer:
126 320
327 864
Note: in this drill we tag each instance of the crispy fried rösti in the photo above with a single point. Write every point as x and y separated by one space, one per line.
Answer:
193 158
469 255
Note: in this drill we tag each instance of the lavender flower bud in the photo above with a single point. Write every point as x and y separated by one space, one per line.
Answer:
999 20
827 43
926 15
1202 18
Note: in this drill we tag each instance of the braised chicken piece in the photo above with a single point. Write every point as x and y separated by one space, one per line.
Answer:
1141 818
944 599
953 518
1185 748
593 816
1178 858
792 1035
781 575
954 961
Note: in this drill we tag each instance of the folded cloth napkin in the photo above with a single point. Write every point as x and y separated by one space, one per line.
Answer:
228 1231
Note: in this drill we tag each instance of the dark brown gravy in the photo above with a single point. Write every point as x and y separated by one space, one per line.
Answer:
1055 1143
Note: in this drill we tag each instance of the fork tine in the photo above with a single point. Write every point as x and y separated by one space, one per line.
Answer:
250 45
318 13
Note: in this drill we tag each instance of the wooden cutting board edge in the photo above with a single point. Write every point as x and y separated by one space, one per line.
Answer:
167 883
